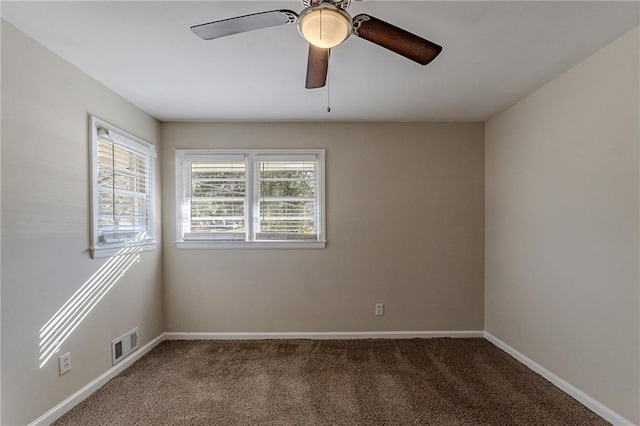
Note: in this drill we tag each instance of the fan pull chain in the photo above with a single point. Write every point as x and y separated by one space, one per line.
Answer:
328 95
328 89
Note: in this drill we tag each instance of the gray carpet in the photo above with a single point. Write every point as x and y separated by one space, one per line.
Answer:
329 382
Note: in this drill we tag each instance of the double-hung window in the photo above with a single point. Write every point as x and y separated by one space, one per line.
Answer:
122 174
250 198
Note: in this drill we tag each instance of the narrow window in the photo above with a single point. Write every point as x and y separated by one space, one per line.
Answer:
122 190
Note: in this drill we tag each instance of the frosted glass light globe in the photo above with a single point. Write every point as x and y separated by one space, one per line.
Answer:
324 26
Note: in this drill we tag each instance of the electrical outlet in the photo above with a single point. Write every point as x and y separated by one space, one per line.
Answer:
379 309
65 363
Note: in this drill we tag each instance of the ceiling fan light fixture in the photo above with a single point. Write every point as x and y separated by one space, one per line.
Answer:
325 25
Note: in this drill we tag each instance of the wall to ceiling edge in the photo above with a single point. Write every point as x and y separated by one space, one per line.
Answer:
562 218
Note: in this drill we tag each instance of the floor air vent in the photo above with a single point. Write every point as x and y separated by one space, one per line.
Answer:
124 345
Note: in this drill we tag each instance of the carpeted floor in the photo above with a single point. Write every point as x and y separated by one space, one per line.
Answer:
329 382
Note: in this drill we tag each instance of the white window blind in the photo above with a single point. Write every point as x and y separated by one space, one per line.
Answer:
215 198
258 198
122 189
286 198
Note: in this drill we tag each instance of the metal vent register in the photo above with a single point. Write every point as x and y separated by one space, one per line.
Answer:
124 345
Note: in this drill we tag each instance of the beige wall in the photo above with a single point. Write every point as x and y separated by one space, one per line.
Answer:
405 228
45 227
562 222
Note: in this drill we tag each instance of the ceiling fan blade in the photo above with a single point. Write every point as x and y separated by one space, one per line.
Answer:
395 39
241 24
317 67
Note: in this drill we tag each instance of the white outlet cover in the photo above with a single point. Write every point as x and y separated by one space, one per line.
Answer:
65 363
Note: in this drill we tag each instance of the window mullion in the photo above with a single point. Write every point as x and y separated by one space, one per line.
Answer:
188 192
250 200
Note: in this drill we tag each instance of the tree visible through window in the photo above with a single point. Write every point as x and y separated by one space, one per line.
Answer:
123 203
287 201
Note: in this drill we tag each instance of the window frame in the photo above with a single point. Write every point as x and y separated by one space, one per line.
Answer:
251 157
139 146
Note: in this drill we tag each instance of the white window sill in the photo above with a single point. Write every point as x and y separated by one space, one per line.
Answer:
204 245
121 249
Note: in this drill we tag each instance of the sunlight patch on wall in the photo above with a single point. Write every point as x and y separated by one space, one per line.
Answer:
57 329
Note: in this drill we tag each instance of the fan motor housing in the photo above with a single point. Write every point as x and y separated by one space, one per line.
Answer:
342 4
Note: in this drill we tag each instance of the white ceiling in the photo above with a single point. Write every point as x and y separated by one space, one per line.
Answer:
495 53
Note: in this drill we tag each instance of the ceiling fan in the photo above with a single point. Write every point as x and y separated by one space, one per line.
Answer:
325 24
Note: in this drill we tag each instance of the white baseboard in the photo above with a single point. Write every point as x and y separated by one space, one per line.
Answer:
75 399
589 402
330 335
